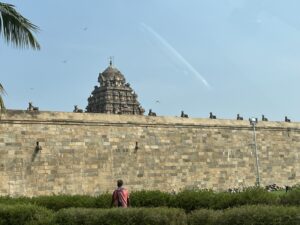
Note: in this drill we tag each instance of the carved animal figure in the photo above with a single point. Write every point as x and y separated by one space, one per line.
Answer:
151 113
288 188
77 110
238 117
212 116
286 119
38 147
263 118
272 187
184 115
31 107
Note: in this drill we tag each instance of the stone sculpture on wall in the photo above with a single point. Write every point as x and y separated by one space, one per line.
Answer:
114 96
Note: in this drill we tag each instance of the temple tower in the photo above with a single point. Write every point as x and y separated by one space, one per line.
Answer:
114 95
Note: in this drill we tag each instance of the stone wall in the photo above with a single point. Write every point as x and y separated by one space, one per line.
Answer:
86 153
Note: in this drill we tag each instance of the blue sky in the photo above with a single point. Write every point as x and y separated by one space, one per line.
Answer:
247 52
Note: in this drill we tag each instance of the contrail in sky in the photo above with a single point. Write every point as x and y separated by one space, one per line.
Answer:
176 54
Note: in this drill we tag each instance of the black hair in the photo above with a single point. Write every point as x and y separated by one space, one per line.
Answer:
120 183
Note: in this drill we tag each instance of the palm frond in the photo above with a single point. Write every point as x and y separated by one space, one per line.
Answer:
16 29
2 92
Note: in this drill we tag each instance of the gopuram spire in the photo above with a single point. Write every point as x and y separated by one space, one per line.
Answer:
114 95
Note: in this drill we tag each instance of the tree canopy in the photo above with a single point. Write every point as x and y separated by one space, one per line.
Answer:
16 30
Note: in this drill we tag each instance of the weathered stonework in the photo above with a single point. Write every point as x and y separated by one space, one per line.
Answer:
86 153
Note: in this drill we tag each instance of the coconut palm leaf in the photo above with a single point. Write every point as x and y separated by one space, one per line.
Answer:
16 29
2 92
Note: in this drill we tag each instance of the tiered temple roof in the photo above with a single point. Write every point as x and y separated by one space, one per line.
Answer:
114 95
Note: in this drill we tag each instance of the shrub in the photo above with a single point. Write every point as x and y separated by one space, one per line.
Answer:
262 215
247 215
192 199
149 199
223 200
255 195
103 201
57 202
19 214
119 216
203 217
291 197
10 200
207 199
188 199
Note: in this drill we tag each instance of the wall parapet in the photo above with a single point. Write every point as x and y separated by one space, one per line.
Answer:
99 119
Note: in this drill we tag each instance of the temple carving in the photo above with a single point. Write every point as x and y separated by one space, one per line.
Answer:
114 95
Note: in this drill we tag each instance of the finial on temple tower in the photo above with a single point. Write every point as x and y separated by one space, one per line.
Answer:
110 61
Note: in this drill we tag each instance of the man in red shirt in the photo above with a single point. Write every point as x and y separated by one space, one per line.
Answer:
120 197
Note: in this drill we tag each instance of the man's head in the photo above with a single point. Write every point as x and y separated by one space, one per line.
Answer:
120 183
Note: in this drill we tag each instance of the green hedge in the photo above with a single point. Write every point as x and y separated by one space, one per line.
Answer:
117 216
188 200
247 215
204 217
57 202
19 214
192 199
150 199
7 200
207 199
103 201
253 195
291 197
